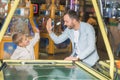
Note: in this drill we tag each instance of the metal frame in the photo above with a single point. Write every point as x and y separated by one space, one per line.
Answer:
107 64
105 38
8 19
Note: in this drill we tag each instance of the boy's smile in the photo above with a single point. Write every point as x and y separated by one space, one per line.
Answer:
25 41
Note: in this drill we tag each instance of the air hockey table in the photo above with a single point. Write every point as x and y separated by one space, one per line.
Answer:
48 70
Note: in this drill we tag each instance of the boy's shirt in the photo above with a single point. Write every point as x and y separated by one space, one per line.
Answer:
26 53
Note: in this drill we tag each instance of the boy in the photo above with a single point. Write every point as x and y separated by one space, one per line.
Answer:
25 47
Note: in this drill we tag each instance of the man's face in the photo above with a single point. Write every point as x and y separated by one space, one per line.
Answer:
68 22
25 42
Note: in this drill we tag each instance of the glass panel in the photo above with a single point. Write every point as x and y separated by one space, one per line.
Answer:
37 72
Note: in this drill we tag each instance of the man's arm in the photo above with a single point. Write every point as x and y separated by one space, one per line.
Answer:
55 38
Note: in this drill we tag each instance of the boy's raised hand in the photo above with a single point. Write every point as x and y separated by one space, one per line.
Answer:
48 25
37 30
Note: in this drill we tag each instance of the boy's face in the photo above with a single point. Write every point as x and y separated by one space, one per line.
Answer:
25 41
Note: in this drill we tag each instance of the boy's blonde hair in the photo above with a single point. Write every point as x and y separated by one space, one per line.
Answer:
17 38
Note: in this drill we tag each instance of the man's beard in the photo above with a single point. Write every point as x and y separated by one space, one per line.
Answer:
71 27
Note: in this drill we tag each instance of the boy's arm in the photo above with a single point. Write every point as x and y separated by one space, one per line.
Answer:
36 38
49 26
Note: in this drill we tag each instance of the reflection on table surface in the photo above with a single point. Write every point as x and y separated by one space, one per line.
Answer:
37 72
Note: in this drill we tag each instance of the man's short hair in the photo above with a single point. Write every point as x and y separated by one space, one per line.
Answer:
73 14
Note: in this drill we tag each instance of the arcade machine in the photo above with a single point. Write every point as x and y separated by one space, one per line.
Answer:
22 21
53 9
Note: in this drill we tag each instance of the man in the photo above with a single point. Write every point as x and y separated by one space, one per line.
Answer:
82 36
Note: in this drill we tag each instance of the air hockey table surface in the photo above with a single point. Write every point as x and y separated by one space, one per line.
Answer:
48 70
